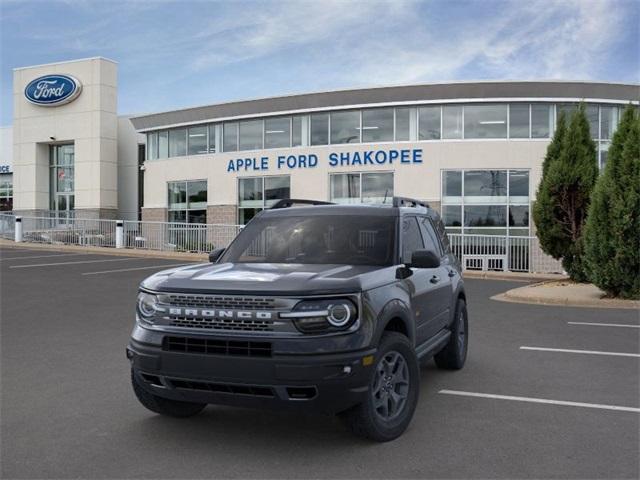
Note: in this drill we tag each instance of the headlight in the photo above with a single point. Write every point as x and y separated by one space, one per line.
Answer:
147 305
322 316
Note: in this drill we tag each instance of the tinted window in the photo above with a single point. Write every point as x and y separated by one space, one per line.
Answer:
485 121
411 238
277 132
251 135
519 120
230 137
345 127
429 123
377 125
178 142
429 236
452 121
541 116
320 129
316 239
403 122
197 140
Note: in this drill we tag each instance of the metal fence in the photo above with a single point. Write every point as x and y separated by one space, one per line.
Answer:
67 231
179 237
501 253
476 252
7 226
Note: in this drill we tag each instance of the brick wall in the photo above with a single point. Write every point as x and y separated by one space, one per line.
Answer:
222 214
154 214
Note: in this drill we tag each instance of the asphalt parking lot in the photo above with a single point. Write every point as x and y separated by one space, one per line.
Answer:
68 410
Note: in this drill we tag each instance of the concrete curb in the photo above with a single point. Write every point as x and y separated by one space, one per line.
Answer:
126 252
568 296
514 276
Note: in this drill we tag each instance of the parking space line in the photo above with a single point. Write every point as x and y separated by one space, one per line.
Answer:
541 400
588 352
42 256
139 268
128 259
621 325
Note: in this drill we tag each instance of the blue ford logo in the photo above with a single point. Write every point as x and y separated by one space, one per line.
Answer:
53 90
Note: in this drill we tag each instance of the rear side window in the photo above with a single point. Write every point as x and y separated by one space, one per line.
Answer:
411 238
431 241
442 233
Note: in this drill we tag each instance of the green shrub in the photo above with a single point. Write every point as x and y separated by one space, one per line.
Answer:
612 233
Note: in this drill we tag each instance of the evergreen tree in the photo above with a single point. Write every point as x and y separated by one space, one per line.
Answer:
612 233
564 194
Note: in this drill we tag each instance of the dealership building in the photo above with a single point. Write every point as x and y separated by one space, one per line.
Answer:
473 150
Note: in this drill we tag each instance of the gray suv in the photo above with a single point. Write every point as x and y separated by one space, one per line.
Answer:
313 306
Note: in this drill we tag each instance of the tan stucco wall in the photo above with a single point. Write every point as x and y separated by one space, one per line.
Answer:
420 181
89 122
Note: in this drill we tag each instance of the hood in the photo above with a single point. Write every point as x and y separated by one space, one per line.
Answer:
268 278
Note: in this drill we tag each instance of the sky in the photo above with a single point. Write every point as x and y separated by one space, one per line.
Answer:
176 54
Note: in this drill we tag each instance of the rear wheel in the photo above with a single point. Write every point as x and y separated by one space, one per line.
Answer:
164 406
454 354
393 392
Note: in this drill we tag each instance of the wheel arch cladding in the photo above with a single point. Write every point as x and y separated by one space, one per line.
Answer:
395 317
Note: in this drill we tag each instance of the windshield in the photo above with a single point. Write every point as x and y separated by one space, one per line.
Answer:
316 239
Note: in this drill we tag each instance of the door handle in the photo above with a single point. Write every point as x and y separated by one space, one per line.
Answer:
435 279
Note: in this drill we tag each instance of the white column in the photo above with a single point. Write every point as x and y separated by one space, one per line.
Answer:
18 230
119 234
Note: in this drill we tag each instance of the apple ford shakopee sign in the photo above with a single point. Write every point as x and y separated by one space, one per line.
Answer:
53 90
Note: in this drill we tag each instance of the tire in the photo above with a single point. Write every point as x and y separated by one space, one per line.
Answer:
368 420
164 406
454 354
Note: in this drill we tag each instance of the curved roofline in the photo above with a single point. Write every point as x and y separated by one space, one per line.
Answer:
393 94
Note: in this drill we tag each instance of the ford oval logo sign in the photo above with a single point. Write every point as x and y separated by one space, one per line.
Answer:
53 90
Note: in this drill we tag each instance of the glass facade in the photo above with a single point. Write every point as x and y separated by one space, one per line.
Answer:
187 201
487 202
62 179
382 124
257 193
373 187
6 192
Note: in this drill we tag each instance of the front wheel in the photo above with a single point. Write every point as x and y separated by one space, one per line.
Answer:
454 354
393 392
164 406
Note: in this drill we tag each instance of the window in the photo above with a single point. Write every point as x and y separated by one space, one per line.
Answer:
429 236
163 144
212 138
485 186
230 137
320 129
277 132
6 192
316 239
403 124
452 121
187 201
519 120
452 185
485 121
519 186
377 125
251 135
541 120
608 122
487 202
345 127
197 141
296 131
257 193
376 187
178 142
152 146
592 113
485 216
61 179
429 123
411 238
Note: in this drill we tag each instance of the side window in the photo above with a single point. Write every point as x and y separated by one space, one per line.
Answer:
411 238
430 238
442 233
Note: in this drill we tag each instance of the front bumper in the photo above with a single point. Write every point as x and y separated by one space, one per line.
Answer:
327 383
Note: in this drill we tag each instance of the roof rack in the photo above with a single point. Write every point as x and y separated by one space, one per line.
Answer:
409 202
292 202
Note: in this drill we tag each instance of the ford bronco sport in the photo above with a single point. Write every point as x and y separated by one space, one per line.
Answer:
313 306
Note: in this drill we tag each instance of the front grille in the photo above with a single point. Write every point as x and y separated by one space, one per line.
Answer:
217 347
254 390
221 302
243 325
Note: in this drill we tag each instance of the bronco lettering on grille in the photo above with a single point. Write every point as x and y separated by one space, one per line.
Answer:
208 313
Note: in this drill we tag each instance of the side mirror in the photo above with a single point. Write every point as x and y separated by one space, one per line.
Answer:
215 254
424 259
